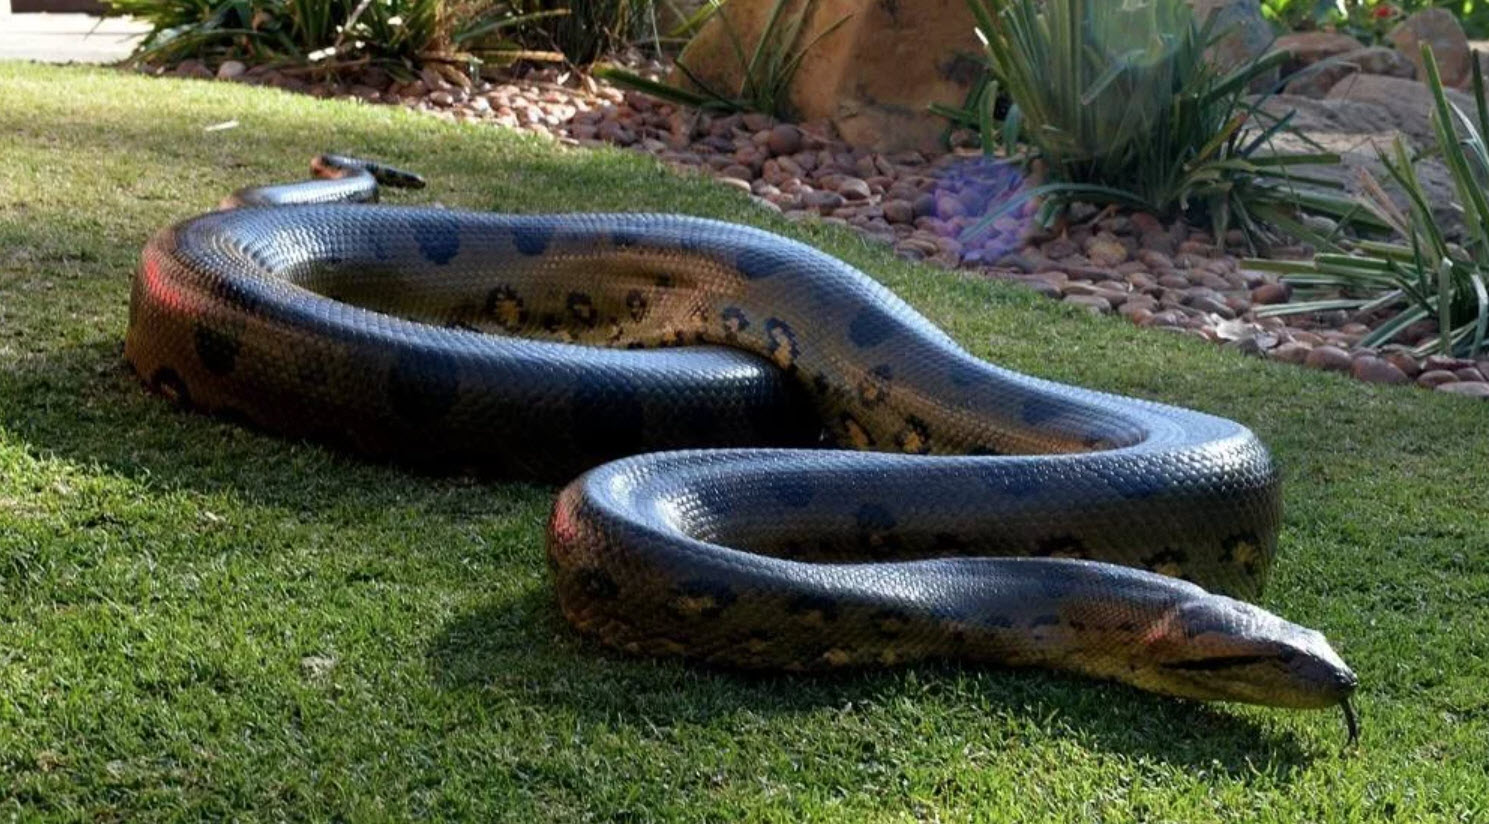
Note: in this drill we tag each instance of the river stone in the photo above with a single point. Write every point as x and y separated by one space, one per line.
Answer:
1449 44
1309 47
1473 389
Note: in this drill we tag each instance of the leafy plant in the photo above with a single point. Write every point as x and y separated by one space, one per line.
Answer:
1427 276
327 33
765 74
1120 103
1369 20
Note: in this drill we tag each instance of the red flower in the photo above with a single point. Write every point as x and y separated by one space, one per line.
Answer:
1383 11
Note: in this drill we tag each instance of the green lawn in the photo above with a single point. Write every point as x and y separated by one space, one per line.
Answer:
197 621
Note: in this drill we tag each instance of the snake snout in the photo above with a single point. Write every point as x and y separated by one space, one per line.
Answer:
1234 651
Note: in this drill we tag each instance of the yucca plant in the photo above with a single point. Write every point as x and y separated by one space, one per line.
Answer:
765 73
1426 276
1120 102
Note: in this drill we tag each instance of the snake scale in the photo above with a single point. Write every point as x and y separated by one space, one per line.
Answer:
873 494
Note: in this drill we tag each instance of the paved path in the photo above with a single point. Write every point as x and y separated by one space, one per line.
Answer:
67 38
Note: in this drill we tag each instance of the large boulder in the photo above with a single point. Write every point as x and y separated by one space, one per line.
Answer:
874 76
1357 129
1449 44
1309 47
1318 79
1248 35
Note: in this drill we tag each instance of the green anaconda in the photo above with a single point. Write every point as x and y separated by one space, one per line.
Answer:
874 494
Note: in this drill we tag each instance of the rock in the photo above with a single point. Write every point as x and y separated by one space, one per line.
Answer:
1330 358
1376 370
785 139
1271 293
1439 28
1211 305
1445 362
1309 47
871 77
1382 60
1436 377
1107 252
1473 389
231 70
1095 304
852 188
1405 362
193 68
1469 373
817 199
1248 34
1316 80
1290 352
899 211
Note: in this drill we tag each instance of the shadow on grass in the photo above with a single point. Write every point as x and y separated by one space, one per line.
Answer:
85 405
523 650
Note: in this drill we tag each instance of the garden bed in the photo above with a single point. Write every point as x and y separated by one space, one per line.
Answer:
1166 276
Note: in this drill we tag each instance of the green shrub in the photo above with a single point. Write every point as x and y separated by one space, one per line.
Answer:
1369 20
339 32
1121 105
589 30
1426 276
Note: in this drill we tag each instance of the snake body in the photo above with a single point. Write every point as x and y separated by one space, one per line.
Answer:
962 510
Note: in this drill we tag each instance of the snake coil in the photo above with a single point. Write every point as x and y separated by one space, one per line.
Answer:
964 510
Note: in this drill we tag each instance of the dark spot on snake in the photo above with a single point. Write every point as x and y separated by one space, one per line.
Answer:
820 384
637 305
874 517
1061 546
794 492
1038 409
804 604
702 599
914 438
961 374
438 237
1167 562
756 262
423 386
664 281
780 343
875 525
1059 581
1125 626
506 307
870 327
582 309
168 383
217 349
874 387
531 239
1046 620
624 239
608 417
550 322
998 621
597 584
1078 626
734 320
461 325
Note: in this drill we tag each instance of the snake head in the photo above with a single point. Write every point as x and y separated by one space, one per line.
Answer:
1216 648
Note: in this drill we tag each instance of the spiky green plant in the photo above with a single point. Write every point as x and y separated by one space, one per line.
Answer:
1426 276
765 74
1122 105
